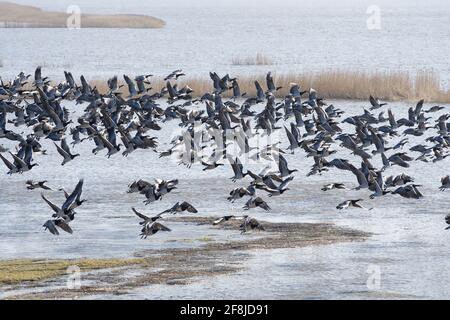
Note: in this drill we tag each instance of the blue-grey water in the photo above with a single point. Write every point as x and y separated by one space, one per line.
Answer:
201 36
409 247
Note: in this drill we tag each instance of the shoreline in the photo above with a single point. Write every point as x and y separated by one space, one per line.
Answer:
14 15
171 266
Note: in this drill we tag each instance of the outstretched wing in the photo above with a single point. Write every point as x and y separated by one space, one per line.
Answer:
140 215
75 194
53 206
189 207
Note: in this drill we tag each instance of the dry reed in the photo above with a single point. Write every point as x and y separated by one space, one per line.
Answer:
332 84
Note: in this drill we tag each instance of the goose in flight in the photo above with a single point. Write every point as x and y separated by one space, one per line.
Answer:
376 104
66 212
31 185
445 181
257 202
151 229
19 165
64 151
410 191
293 138
239 193
274 190
332 186
228 218
210 166
434 109
181 207
12 168
145 219
350 203
175 75
51 225
131 86
283 166
237 167
271 84
251 224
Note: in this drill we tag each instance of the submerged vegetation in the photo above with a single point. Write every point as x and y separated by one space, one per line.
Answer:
332 84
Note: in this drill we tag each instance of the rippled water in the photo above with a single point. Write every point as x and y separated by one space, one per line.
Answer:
409 246
201 37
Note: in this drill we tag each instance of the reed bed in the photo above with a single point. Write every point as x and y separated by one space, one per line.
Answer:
258 60
333 84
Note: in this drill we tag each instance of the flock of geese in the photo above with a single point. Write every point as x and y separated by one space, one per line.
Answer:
132 111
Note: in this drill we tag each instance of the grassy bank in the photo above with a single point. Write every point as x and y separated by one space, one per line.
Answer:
215 256
18 271
332 84
19 16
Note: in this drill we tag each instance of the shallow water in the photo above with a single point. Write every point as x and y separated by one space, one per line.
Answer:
202 37
409 245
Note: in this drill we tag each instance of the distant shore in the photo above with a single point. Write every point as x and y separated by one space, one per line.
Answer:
13 15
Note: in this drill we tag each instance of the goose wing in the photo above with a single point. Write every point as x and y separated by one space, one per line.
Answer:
292 140
53 206
63 225
64 146
18 162
78 189
362 180
61 151
140 215
159 226
7 163
50 226
187 206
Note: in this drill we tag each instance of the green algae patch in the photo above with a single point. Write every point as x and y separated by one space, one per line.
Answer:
23 270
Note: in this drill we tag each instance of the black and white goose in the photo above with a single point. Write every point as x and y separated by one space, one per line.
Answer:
445 183
64 151
333 186
228 218
251 224
257 202
63 215
237 167
145 219
239 193
181 207
151 229
31 185
350 203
